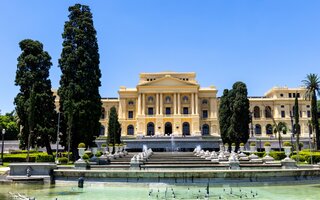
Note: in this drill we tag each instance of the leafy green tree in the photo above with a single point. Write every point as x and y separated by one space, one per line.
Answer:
312 84
80 101
36 114
9 122
238 130
296 125
224 116
114 128
280 128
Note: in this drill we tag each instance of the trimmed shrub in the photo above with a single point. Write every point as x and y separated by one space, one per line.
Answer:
302 158
63 160
81 145
252 144
85 157
104 145
277 155
267 144
99 153
260 154
24 151
45 158
18 157
287 144
241 144
315 156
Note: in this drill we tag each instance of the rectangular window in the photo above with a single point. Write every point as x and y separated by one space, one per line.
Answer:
130 114
150 111
308 114
205 114
289 95
298 95
168 111
185 110
283 114
294 95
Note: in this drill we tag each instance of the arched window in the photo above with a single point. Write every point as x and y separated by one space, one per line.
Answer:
205 129
258 129
168 99
205 102
256 112
103 113
130 130
150 129
185 99
102 130
268 112
269 129
185 128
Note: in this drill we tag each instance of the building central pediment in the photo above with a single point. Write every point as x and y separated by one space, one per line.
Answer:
168 81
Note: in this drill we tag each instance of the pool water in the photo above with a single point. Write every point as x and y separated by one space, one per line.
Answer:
137 191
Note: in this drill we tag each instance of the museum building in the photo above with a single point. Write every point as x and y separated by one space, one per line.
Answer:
168 103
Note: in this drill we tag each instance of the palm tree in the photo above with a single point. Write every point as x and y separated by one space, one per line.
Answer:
279 128
312 84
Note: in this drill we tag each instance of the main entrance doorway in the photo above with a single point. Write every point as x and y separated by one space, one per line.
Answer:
168 128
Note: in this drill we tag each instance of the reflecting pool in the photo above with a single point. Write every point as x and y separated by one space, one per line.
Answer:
135 191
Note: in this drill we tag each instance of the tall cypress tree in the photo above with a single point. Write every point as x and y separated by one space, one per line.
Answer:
80 102
239 120
296 121
224 116
114 128
35 101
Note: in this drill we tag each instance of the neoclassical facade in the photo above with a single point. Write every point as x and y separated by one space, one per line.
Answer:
168 103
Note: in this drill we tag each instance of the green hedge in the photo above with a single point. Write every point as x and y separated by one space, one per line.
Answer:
260 154
19 158
307 155
63 160
277 155
24 151
45 158
302 158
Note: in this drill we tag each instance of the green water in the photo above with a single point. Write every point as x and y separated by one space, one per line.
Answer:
135 191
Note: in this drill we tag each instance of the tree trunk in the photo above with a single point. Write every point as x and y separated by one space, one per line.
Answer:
48 147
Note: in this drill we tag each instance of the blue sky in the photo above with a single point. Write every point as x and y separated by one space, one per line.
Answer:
262 43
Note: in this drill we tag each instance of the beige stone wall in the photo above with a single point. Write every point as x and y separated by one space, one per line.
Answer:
187 101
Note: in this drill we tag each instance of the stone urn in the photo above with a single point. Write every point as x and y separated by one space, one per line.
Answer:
233 148
105 150
267 149
94 151
287 151
253 149
110 149
81 152
267 158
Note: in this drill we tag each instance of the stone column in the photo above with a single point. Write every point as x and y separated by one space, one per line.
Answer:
139 104
143 104
157 104
211 100
196 103
120 109
192 103
161 101
174 103
179 104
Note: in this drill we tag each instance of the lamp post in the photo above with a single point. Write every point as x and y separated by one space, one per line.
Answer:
3 132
